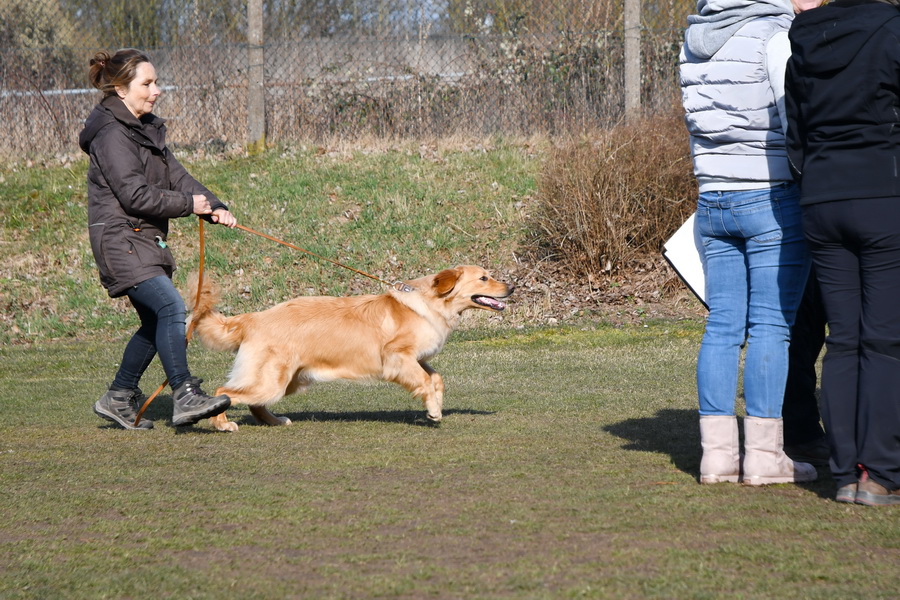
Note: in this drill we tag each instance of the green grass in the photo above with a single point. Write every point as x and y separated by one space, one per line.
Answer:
566 467
394 212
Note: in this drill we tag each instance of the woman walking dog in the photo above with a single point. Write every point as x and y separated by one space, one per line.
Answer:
135 185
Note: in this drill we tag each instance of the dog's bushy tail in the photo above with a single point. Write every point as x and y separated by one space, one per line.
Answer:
216 331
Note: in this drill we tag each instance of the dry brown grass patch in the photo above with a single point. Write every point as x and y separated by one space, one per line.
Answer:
608 200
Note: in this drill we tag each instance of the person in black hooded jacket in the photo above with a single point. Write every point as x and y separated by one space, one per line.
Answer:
843 136
135 185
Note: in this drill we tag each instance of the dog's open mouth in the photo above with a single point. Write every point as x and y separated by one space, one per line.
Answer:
489 302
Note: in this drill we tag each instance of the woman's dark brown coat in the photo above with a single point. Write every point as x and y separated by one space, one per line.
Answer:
135 185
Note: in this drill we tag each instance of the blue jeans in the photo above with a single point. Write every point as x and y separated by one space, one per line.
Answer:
757 263
162 330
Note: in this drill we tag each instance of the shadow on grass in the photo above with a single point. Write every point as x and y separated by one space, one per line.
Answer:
160 412
676 432
411 417
670 431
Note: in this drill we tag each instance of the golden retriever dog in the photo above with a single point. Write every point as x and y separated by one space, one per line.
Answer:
387 336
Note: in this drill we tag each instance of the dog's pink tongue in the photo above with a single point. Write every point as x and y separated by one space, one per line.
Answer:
490 302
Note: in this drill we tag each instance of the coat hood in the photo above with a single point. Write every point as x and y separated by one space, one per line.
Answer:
828 38
110 110
718 20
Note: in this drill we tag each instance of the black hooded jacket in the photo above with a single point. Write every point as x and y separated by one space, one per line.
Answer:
842 95
135 185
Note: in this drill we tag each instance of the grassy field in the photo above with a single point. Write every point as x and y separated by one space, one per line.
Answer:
397 212
566 467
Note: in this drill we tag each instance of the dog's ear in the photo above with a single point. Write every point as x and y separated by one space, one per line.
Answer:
445 281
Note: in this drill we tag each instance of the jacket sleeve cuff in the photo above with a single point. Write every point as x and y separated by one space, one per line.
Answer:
214 202
184 202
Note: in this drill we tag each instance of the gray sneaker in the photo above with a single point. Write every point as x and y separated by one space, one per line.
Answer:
121 407
192 404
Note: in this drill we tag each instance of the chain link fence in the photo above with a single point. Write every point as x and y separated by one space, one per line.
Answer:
343 68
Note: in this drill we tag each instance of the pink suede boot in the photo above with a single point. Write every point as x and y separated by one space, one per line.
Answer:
764 459
721 458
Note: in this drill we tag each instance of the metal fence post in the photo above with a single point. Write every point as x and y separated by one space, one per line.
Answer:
632 60
256 90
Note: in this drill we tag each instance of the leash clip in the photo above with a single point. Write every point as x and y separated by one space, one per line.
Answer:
161 242
403 287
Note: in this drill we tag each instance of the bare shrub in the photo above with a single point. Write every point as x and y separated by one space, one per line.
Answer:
607 202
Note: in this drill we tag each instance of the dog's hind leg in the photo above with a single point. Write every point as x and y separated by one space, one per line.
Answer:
258 410
255 383
256 400
263 415
221 422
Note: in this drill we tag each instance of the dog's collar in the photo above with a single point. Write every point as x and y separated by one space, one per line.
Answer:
403 287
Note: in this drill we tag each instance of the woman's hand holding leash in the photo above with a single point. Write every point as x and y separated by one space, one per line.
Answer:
224 217
221 216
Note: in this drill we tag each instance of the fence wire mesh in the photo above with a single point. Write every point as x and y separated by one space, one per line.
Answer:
342 68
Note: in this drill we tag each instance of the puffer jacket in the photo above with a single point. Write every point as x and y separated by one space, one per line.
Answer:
842 90
737 138
135 185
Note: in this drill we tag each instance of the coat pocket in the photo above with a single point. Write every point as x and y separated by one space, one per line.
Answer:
125 253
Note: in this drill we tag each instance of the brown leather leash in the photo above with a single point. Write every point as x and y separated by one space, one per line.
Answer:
399 285
334 262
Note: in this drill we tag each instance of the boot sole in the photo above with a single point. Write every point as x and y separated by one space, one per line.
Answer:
867 499
846 494
704 479
192 418
120 422
771 480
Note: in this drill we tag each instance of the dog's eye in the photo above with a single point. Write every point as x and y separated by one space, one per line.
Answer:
484 278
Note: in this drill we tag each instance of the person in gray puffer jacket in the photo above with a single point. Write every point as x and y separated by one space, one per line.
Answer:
748 219
135 185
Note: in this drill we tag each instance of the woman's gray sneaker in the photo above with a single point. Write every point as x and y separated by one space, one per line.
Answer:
121 407
192 404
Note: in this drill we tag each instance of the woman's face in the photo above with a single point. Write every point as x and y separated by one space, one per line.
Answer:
142 92
802 5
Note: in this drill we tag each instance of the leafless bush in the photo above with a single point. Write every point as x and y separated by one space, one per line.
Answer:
606 202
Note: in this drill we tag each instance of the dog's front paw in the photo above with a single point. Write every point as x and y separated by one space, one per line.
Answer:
283 420
436 418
